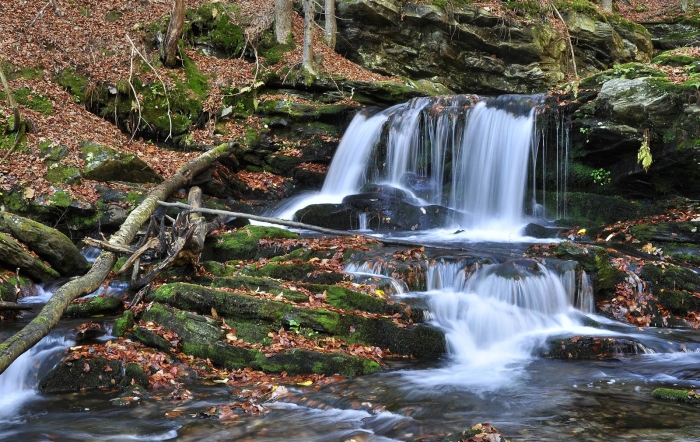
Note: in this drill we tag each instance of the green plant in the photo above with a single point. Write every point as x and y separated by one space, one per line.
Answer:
601 176
644 153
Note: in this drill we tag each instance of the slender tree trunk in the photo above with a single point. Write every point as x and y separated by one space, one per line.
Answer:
331 27
684 5
607 5
40 326
283 20
308 52
172 37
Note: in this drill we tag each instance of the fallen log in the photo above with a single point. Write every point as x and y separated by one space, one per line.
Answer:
49 316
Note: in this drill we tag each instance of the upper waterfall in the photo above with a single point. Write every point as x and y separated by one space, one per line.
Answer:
467 154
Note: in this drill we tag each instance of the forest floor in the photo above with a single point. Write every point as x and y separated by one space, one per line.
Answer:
78 36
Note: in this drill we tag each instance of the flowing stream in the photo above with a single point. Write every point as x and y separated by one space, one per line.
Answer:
499 316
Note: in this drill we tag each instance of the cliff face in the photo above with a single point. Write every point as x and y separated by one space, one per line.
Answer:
471 49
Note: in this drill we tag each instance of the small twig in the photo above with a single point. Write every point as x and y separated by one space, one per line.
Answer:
165 90
18 287
136 96
105 245
40 13
568 37
139 296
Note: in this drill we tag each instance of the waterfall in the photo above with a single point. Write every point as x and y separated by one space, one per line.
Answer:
470 154
19 380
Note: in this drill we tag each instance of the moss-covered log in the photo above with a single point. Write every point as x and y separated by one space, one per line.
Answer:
12 253
201 337
47 242
53 310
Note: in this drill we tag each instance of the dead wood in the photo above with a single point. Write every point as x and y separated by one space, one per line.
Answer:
186 240
49 316
4 305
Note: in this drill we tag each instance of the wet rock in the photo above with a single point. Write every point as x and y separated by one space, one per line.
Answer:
330 216
150 339
539 231
674 286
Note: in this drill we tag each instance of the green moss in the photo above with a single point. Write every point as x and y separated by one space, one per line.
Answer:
273 51
32 100
194 79
668 59
582 6
123 323
242 244
74 83
98 305
211 22
60 199
688 396
57 173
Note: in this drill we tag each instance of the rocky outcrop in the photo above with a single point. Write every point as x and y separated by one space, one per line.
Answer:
470 49
638 104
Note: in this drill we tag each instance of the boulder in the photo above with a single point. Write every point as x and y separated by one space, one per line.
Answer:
105 164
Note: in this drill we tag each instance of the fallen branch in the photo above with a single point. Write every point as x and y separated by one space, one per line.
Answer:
49 316
18 125
298 225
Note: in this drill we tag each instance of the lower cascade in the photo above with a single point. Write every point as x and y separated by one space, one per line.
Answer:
496 315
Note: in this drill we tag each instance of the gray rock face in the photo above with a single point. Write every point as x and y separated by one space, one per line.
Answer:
471 50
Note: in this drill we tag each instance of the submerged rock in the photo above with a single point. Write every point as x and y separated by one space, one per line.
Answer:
592 347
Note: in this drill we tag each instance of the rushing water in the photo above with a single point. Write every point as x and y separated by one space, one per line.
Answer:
468 153
498 315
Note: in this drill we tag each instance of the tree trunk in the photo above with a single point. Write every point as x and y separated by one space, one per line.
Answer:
684 5
172 37
331 27
283 20
40 326
308 52
607 5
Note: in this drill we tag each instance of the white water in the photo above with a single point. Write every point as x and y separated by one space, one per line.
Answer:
495 316
487 144
19 380
347 171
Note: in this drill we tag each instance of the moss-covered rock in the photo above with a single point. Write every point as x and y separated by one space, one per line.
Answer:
123 323
209 346
133 375
674 286
594 260
417 340
673 394
150 339
105 164
243 244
